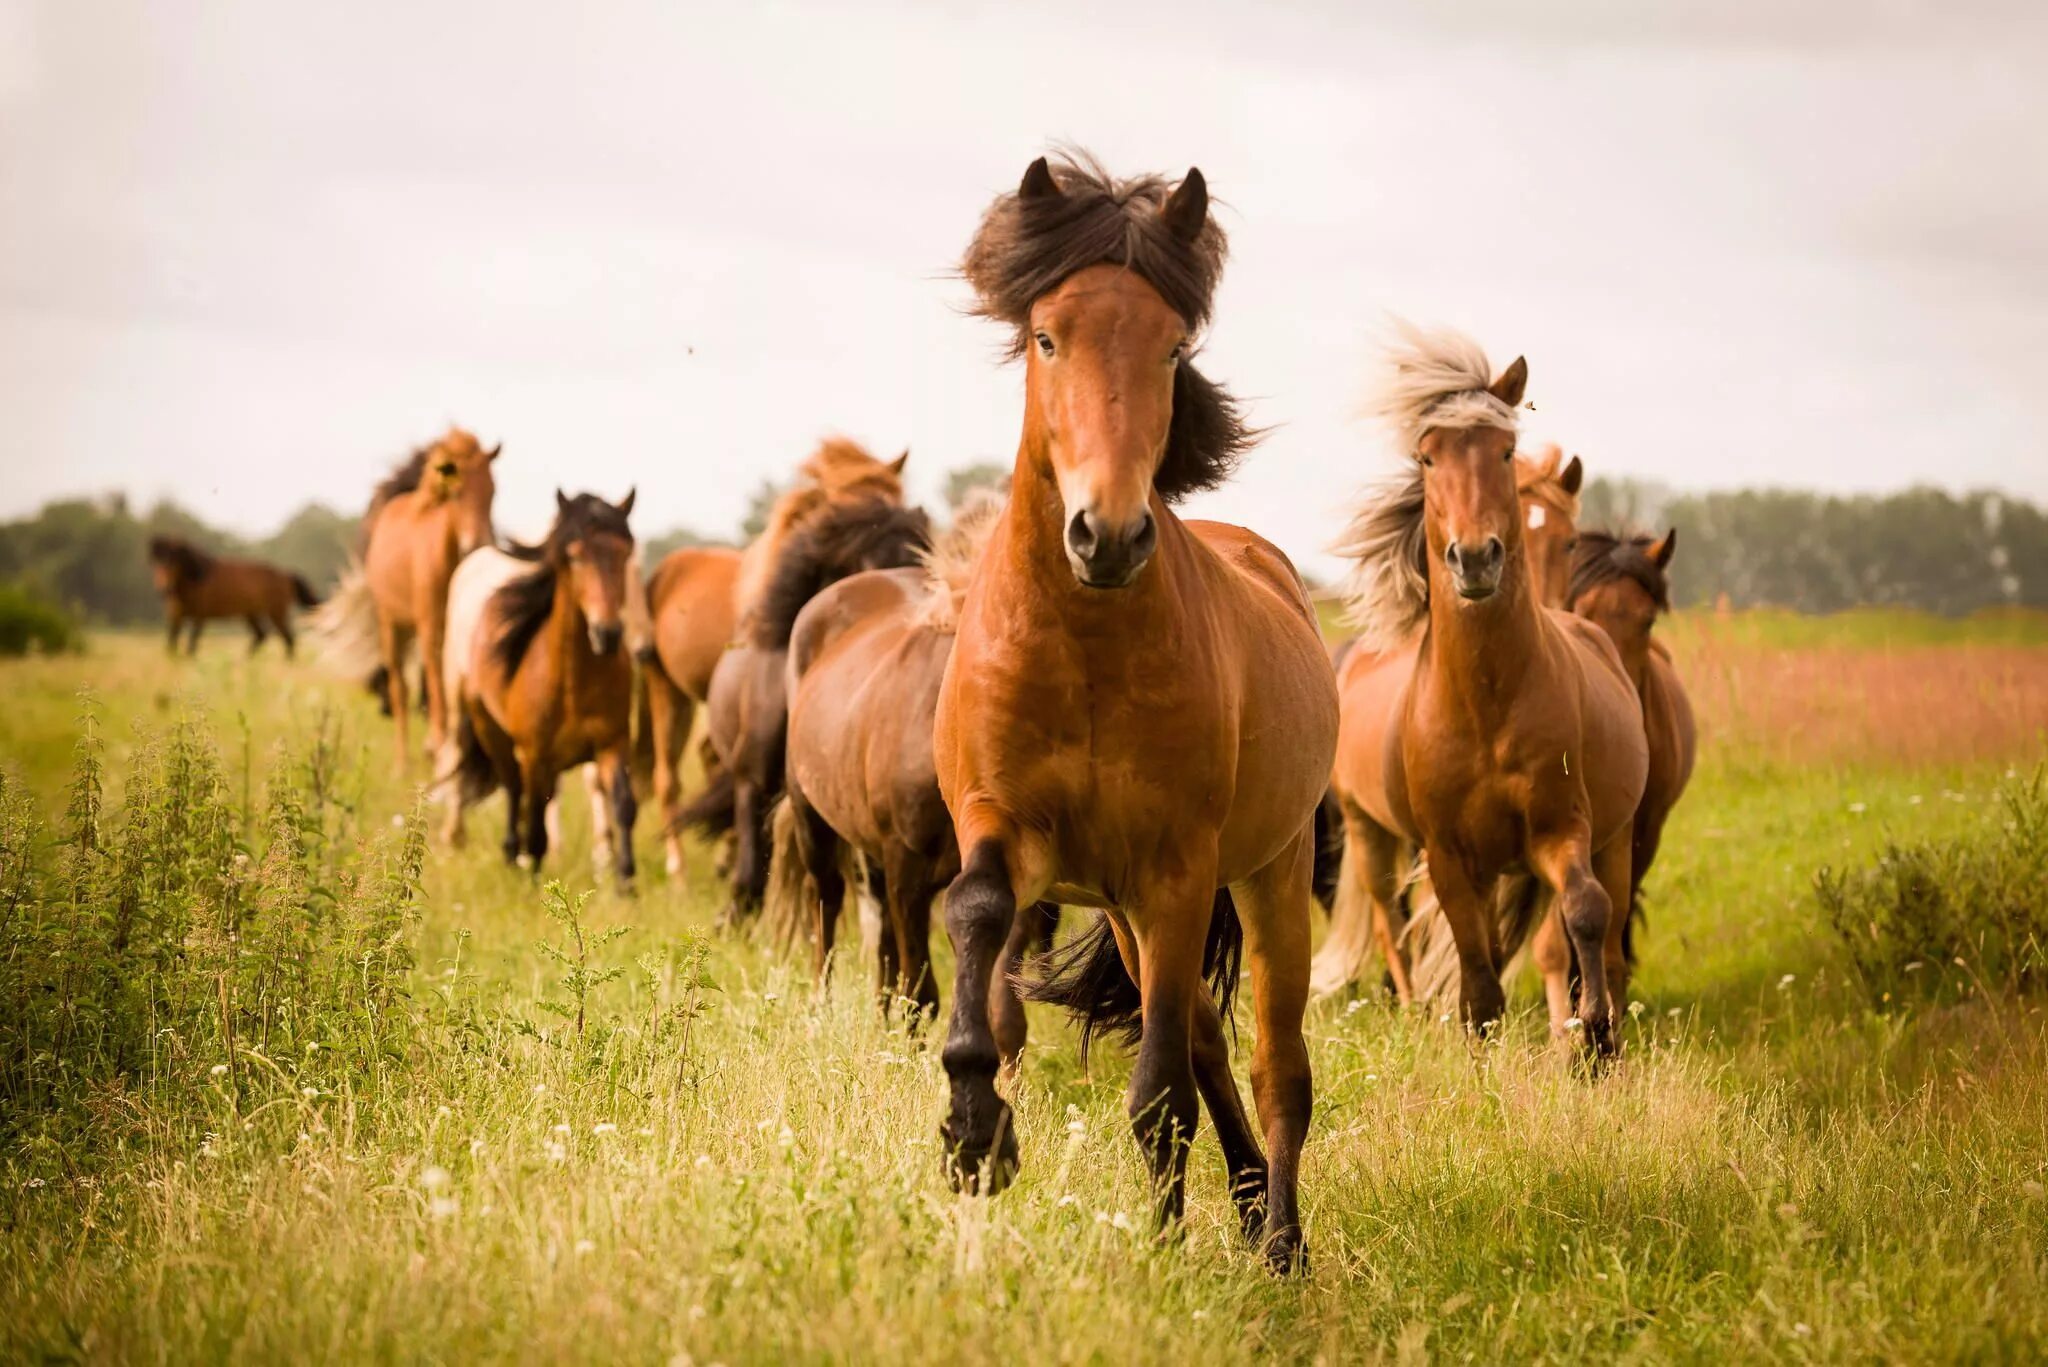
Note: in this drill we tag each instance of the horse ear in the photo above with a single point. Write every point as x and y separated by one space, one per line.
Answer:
1508 388
1660 552
1574 475
1038 182
561 500
896 465
492 454
626 504
1187 209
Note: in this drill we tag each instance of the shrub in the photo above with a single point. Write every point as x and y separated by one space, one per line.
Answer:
1946 917
30 622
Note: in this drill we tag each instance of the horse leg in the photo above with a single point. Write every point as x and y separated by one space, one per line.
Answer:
907 875
1614 868
1031 934
391 638
1243 1163
1383 868
1366 911
818 847
257 634
177 624
669 712
1274 907
515 798
600 820
192 627
1163 1103
1552 950
625 810
1468 910
1566 866
283 622
979 1146
540 791
432 632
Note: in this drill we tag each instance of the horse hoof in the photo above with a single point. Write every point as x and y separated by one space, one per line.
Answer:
981 1166
1286 1255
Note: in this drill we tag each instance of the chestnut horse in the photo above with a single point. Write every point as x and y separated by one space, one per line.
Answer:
699 595
747 706
1138 715
1549 498
199 587
549 686
1499 735
866 657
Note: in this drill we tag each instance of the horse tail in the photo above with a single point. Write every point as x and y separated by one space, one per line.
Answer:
1519 902
303 591
1086 975
1328 834
710 813
782 905
466 764
343 629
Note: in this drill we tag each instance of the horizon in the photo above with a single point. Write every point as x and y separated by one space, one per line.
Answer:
248 259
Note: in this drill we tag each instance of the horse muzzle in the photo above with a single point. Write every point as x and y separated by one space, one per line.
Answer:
605 637
1476 567
1106 556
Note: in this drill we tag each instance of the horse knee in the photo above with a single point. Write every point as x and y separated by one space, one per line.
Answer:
1586 910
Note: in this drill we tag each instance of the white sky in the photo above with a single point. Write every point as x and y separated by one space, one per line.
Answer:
250 253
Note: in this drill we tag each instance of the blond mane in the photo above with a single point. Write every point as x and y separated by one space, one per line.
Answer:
1428 377
949 564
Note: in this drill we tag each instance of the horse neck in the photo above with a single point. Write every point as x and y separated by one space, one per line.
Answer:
1483 653
565 639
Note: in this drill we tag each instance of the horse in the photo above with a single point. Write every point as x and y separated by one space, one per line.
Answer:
1500 736
1138 715
747 706
1619 584
431 511
549 686
476 580
699 595
866 658
1548 490
199 587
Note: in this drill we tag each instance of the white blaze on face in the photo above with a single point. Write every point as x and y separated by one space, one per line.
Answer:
1535 516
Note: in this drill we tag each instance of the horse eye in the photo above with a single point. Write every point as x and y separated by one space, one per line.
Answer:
1044 344
445 469
1180 350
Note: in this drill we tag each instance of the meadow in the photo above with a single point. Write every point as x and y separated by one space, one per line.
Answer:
364 1097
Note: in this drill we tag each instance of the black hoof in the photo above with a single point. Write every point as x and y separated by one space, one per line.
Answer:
1286 1254
979 1164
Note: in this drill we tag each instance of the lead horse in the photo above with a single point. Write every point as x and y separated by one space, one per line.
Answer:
1500 735
1138 715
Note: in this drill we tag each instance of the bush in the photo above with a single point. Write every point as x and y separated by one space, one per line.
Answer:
29 622
1948 917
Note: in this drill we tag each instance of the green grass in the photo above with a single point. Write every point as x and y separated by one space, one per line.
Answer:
732 1166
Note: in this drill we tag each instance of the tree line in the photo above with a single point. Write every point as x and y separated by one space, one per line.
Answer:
1923 548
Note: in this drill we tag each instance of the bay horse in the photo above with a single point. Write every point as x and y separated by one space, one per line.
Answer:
1548 490
866 658
428 513
699 595
747 709
1500 736
199 587
476 580
550 686
1138 715
1619 584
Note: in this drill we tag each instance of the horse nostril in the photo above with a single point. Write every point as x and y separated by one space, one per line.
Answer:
1081 538
1146 537
1495 552
1451 556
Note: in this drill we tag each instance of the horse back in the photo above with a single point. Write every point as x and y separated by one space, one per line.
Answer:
690 599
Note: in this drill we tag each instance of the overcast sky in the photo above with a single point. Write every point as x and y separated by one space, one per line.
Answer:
251 252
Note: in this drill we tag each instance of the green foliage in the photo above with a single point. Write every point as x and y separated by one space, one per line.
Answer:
982 474
1952 916
573 954
28 622
759 504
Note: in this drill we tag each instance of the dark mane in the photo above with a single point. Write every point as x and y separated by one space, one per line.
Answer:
185 560
523 605
403 479
1603 557
844 539
1026 247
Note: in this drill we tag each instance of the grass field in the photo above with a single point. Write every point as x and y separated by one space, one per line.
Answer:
728 1165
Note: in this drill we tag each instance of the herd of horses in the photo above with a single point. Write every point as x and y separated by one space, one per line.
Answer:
1073 697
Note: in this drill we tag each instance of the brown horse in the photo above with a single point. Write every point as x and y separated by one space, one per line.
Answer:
199 587
699 595
1499 735
866 658
1138 715
1548 490
429 513
549 687
747 708
1619 584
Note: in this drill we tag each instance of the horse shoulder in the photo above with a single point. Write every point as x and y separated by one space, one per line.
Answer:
1257 559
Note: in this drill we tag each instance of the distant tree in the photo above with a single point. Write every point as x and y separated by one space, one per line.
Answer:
982 474
758 507
654 549
317 543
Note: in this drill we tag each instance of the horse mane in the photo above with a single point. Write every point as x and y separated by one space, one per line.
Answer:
844 539
522 605
1603 557
1025 247
403 479
839 468
950 560
842 465
185 559
1428 377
